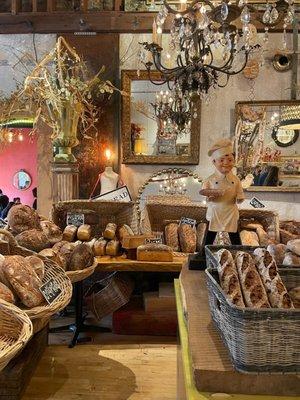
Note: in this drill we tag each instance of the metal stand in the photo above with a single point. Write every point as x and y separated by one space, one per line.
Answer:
79 326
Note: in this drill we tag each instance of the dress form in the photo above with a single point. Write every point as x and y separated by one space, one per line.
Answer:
109 180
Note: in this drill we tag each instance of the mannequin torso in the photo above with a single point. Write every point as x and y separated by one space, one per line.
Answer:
109 180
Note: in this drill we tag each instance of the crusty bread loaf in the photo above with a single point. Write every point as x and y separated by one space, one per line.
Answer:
99 247
291 259
22 218
294 246
253 290
171 235
65 253
295 296
84 233
187 238
24 280
33 239
154 252
52 231
229 279
81 257
112 248
56 248
69 233
37 264
124 231
53 256
263 237
110 231
286 236
6 294
249 238
267 268
200 236
277 251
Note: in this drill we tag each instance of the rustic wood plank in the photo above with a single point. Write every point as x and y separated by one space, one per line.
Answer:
51 5
84 5
34 6
121 264
16 6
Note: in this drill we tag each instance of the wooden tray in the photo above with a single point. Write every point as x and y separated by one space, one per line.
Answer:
120 264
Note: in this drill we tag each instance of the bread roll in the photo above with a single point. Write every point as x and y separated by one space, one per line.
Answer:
110 231
291 259
124 231
24 280
84 233
52 231
253 290
267 268
249 238
99 247
294 246
112 248
6 294
69 233
154 252
229 279
37 264
295 296
171 236
81 257
33 240
22 218
277 251
187 238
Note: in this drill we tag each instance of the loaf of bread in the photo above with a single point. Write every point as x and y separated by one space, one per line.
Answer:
65 253
52 231
200 236
286 236
267 268
263 237
294 246
249 238
23 280
81 257
187 238
277 251
37 264
295 296
112 248
6 294
154 252
84 233
124 231
56 248
253 290
33 239
290 226
110 231
250 224
99 247
171 236
22 218
69 233
53 256
291 259
229 279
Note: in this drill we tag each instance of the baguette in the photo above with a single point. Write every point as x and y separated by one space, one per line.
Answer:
171 235
187 238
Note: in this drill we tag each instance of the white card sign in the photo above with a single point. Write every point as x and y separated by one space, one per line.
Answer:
188 221
50 290
120 194
75 219
3 223
255 203
157 240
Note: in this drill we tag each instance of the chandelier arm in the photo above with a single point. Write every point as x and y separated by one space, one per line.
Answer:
189 8
228 72
227 80
162 69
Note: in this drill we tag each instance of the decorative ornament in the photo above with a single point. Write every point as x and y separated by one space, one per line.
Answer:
251 70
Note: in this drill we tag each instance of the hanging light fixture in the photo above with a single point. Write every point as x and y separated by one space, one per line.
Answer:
207 47
290 117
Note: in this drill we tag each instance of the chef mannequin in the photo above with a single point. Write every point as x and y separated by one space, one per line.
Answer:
223 190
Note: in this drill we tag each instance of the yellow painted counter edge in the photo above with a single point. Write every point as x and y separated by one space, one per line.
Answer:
192 392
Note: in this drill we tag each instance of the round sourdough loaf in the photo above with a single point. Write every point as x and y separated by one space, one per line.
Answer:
33 239
6 294
22 218
52 231
82 257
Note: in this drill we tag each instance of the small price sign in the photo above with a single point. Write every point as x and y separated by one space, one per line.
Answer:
50 290
188 221
157 240
255 203
3 224
75 219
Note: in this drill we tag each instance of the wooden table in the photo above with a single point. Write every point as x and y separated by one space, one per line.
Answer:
110 264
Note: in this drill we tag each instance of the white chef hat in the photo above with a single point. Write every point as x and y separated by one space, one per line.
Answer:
220 148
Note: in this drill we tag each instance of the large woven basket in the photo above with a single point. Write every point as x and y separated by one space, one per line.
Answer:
80 275
15 331
52 270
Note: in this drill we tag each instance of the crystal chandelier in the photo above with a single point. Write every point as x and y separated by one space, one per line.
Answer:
172 185
207 46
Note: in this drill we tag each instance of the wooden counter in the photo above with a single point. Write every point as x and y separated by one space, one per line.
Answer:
110 264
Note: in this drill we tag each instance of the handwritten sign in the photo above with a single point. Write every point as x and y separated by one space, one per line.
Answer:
120 194
3 224
188 221
157 240
255 203
50 290
75 219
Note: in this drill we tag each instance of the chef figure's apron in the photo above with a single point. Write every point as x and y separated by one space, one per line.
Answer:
222 212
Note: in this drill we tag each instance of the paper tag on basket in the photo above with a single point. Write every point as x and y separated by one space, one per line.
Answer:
188 221
157 240
50 290
75 219
255 203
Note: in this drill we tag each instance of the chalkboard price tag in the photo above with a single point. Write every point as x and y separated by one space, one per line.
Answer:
255 203
50 290
188 221
157 240
3 224
75 219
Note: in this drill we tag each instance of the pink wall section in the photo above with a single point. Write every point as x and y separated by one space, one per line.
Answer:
15 156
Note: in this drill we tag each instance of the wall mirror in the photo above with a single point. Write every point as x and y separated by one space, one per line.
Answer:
157 126
267 144
22 180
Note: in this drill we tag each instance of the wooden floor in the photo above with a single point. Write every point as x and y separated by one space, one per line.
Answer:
113 367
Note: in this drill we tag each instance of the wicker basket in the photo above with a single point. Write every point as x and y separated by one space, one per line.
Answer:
80 275
15 331
108 295
52 270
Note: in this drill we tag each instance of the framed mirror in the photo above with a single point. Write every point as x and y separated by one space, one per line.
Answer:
22 180
267 144
157 127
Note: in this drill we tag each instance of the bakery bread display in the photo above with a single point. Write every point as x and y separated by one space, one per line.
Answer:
154 252
81 257
253 289
200 236
249 238
33 239
22 218
52 231
112 248
6 294
69 233
267 268
84 233
187 238
110 231
171 236
37 264
229 279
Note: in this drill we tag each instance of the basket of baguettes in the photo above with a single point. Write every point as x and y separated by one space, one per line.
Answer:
255 308
15 331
